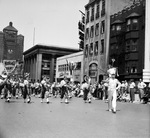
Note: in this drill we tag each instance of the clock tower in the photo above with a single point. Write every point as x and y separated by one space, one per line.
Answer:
11 44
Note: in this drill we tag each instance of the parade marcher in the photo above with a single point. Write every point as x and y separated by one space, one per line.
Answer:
33 87
44 90
86 88
37 87
26 89
1 87
101 90
113 86
6 92
141 86
64 89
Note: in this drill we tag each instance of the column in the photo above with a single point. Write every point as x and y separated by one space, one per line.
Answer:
31 67
38 66
52 68
34 67
146 70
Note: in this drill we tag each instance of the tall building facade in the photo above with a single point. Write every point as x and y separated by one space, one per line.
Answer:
127 45
97 34
11 44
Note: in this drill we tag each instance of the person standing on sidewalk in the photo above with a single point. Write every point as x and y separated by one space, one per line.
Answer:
132 89
141 86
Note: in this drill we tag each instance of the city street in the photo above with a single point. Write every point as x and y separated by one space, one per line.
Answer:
74 120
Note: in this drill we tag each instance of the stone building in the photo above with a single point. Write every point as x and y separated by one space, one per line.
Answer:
97 34
127 35
40 60
11 43
70 66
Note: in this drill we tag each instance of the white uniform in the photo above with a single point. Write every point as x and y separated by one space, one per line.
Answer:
112 93
113 85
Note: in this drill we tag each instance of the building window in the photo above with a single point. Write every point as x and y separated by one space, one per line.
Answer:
113 27
87 33
127 67
97 11
133 66
91 49
132 24
133 48
102 47
128 24
128 43
86 51
92 14
102 27
96 48
97 29
92 32
133 69
78 66
87 17
93 70
135 24
118 27
103 8
134 44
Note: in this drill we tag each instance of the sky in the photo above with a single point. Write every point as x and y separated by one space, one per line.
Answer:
50 22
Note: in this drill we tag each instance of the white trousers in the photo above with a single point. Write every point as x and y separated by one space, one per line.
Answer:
112 99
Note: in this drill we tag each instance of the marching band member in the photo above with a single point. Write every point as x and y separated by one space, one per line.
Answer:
26 89
64 90
113 86
44 90
86 88
6 88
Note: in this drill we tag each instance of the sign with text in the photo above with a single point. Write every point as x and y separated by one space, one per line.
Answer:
9 65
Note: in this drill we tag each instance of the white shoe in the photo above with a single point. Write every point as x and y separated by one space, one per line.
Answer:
89 101
8 100
66 101
28 101
47 100
109 110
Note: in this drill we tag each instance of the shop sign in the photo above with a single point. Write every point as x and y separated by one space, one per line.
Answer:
63 74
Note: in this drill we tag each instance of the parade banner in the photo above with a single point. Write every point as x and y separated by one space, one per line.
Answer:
2 68
9 65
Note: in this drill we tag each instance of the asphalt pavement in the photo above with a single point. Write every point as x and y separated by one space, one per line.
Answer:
74 120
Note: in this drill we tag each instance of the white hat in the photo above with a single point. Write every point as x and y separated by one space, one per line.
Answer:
112 71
